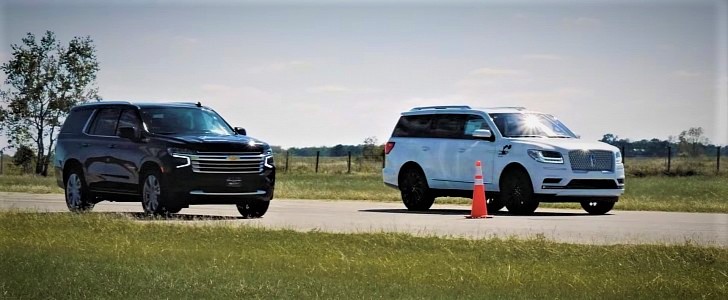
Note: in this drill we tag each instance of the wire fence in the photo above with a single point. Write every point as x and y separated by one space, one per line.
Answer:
286 162
673 164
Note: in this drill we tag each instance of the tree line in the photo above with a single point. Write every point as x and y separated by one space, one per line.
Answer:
368 149
688 143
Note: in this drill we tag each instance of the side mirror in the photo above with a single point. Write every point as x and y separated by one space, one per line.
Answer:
240 131
129 133
484 134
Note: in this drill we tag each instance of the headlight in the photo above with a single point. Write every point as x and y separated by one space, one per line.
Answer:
544 156
181 156
269 163
618 157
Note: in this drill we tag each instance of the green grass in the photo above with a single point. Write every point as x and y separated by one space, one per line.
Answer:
660 193
63 255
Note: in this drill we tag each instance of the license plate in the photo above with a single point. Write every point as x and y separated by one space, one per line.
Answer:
234 182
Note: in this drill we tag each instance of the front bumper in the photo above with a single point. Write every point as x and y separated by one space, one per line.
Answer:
214 188
561 181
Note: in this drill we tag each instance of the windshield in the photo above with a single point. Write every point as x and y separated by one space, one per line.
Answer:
530 125
184 120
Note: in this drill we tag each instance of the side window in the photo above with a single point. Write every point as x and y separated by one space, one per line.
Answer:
448 126
474 123
413 126
129 118
75 121
105 122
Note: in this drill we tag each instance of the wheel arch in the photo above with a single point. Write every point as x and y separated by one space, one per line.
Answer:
512 167
410 165
147 167
69 165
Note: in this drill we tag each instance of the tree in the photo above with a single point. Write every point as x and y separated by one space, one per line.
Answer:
371 150
691 139
23 158
44 81
609 138
338 150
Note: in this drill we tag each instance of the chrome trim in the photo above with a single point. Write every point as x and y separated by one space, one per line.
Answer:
185 157
228 163
202 193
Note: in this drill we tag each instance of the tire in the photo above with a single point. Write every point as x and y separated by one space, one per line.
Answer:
78 197
517 193
252 209
416 194
494 204
594 207
155 195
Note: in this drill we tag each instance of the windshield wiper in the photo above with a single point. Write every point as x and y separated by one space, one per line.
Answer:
560 136
517 136
164 132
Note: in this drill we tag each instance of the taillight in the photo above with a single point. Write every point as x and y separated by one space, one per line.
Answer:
388 147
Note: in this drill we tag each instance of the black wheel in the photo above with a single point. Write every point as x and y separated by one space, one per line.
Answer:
155 195
416 194
494 204
253 208
517 193
598 207
78 198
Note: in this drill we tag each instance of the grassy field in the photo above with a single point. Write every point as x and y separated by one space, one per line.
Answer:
661 193
63 255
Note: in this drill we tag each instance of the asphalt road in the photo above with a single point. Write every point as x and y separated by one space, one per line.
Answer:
572 226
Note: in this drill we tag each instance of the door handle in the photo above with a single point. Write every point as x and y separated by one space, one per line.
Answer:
112 146
84 145
425 148
461 150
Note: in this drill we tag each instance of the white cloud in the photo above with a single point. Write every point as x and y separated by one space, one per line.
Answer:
186 40
685 74
334 89
541 57
230 93
280 66
581 22
493 72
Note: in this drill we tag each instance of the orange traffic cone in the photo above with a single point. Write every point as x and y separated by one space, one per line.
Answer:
479 209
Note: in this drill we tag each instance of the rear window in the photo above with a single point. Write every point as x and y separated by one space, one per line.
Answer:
413 126
75 121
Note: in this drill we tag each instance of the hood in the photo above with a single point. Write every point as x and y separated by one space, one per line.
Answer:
219 143
564 144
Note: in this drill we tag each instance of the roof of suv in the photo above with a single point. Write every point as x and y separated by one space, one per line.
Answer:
464 108
141 104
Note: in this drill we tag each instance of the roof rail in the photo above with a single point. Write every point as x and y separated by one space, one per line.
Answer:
510 107
441 107
111 102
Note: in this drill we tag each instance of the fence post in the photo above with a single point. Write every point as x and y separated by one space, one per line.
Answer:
384 158
669 157
624 157
348 164
717 162
317 160
287 152
2 161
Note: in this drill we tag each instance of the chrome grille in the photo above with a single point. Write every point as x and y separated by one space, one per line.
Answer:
591 160
228 163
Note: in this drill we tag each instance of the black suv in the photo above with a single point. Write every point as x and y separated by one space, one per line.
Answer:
166 155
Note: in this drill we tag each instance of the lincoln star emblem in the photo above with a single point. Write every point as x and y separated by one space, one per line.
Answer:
233 157
592 161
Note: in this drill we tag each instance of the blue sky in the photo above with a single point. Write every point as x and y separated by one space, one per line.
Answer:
324 73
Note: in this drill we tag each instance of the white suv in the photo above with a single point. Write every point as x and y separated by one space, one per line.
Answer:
528 157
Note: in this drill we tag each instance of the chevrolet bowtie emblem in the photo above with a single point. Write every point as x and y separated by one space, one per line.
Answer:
233 157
